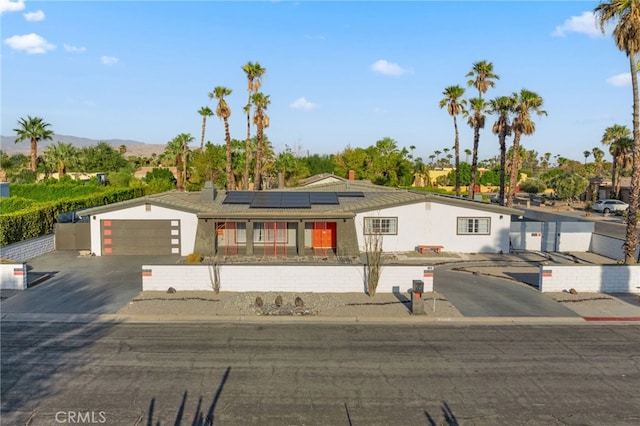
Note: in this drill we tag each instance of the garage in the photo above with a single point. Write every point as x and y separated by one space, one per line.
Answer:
140 237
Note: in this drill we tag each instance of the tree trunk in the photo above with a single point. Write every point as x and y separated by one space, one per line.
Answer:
631 241
231 185
503 165
34 154
457 152
257 173
515 168
204 126
474 161
247 147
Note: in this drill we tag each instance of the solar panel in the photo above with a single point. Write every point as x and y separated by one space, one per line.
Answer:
350 194
266 200
238 197
293 200
323 198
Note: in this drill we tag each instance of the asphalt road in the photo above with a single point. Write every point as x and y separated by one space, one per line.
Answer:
319 374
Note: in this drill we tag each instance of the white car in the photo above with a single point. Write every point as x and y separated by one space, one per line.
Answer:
608 206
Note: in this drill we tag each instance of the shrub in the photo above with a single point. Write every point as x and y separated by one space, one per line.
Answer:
194 258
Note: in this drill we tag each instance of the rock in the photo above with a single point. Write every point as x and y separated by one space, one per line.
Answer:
279 301
259 303
299 302
573 291
171 290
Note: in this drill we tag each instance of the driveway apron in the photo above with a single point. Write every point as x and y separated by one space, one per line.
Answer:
81 285
483 296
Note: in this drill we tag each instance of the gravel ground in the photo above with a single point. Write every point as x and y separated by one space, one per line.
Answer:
201 303
599 304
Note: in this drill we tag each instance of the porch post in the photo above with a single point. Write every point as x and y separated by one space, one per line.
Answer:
249 242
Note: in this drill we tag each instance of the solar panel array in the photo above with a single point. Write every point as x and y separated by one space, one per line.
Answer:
286 200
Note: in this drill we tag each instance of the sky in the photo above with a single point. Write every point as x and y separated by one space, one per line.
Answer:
339 74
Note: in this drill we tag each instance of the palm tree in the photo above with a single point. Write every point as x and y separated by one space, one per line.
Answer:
205 112
455 105
598 155
34 129
176 153
622 152
61 154
610 136
524 104
586 155
482 77
224 112
475 119
254 81
502 106
625 36
261 120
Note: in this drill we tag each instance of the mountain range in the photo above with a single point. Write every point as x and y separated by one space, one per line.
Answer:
136 148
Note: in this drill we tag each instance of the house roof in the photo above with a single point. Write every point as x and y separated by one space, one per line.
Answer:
374 197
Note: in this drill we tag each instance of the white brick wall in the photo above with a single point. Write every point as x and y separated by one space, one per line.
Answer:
27 250
301 278
590 278
13 276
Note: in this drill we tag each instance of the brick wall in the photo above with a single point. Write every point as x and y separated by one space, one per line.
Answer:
590 278
27 250
291 278
13 276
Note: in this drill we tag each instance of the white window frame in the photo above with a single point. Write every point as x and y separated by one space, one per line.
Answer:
473 226
380 225
269 235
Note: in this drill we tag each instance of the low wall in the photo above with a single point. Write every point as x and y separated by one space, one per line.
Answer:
590 278
608 246
13 276
27 250
285 278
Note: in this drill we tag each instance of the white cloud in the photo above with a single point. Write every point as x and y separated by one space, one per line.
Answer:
583 24
109 60
303 103
30 43
34 16
385 67
620 80
11 6
74 49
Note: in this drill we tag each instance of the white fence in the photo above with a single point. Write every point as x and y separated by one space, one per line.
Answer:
608 246
590 278
13 276
285 278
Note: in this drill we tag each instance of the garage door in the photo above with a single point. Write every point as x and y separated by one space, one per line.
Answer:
144 237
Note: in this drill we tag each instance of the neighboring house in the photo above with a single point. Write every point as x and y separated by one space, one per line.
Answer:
329 220
603 189
141 173
326 178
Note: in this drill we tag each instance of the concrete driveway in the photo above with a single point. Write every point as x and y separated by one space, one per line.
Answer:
483 296
81 285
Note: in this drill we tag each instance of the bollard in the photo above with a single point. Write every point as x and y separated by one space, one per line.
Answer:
417 305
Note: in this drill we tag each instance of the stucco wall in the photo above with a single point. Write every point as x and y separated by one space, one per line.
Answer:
436 224
608 246
590 278
188 224
289 278
13 276
27 250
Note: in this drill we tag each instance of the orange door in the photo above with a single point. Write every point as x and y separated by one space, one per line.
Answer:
324 235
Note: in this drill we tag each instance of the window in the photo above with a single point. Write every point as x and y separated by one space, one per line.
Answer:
270 232
381 225
474 226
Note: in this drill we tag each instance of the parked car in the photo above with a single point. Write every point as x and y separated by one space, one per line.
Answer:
608 206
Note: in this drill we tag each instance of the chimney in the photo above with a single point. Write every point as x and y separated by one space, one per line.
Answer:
352 175
280 180
208 193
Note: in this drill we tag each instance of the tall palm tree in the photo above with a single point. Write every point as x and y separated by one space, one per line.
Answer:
524 104
62 155
502 107
261 120
475 119
610 136
176 152
626 35
482 78
455 105
224 112
586 155
598 155
205 112
254 74
34 129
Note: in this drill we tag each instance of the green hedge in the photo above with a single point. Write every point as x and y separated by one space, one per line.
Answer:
39 218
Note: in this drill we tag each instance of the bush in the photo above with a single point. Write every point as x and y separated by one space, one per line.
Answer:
194 258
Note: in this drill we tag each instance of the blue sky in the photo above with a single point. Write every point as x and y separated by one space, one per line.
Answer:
338 73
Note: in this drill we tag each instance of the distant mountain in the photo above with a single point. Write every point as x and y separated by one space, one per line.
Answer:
133 147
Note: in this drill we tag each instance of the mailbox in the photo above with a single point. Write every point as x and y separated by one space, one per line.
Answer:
418 286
